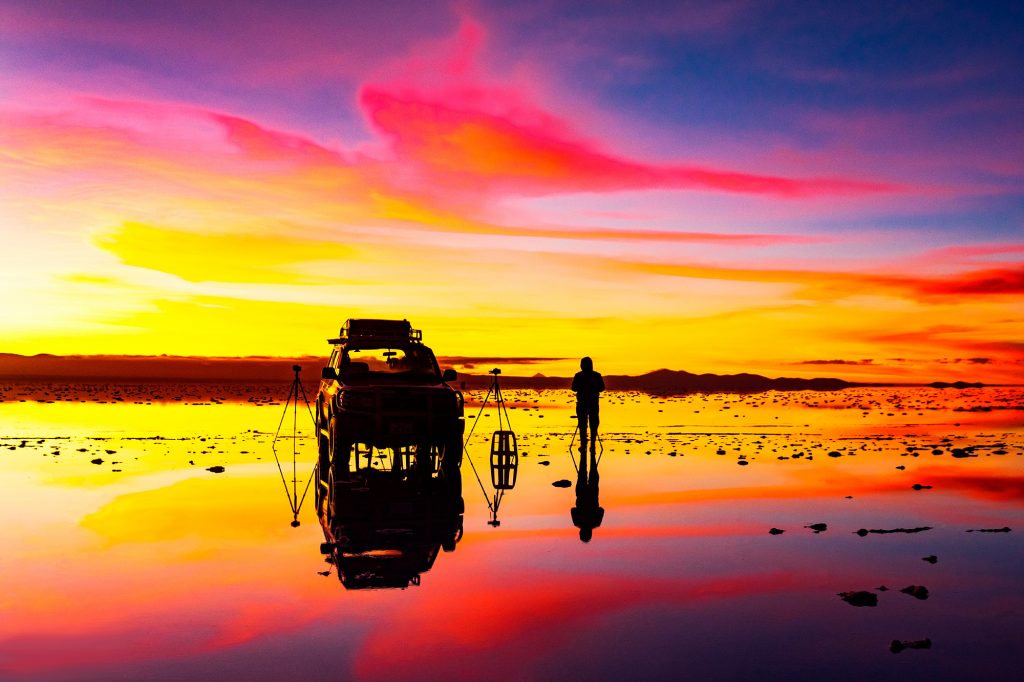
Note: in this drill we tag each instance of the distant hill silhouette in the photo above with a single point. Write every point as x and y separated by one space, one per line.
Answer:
675 381
127 368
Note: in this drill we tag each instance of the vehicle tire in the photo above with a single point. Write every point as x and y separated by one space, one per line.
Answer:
423 466
323 463
323 442
340 449
451 459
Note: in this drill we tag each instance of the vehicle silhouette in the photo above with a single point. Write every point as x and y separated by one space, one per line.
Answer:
382 389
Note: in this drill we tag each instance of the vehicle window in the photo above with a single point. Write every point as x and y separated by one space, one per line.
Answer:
413 361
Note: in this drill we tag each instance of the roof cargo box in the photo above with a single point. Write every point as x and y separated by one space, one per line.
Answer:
398 331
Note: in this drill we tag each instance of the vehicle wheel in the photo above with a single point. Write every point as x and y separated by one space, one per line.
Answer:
451 459
323 442
330 508
340 450
423 466
323 464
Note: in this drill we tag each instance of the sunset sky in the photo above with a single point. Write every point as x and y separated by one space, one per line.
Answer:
803 189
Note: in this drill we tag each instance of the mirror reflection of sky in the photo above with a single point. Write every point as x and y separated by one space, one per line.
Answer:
150 565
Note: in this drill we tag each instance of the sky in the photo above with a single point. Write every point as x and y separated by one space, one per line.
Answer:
797 189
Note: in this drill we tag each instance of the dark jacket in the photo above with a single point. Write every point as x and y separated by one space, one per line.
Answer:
588 386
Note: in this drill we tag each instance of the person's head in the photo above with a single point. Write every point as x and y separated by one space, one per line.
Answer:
586 534
587 365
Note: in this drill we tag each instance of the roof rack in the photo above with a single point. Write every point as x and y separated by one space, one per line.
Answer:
377 331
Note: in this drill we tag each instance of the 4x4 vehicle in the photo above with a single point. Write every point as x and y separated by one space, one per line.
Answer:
382 388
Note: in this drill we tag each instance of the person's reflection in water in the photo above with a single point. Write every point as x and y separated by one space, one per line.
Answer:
588 384
588 512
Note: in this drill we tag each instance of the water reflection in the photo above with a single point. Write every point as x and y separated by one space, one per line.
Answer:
384 529
588 512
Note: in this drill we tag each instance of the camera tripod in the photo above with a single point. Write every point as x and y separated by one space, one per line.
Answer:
294 501
504 451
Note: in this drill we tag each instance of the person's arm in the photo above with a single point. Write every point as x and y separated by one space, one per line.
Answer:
576 383
600 383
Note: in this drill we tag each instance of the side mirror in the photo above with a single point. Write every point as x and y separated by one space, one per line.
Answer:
328 373
449 375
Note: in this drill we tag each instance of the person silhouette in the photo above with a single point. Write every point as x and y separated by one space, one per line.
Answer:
588 384
588 512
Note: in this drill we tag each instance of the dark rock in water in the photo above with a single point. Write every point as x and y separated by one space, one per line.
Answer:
918 486
776 531
98 460
930 559
835 453
897 646
323 573
1004 529
916 591
901 467
217 469
859 598
743 462
818 527
849 497
720 451
544 463
562 483
885 531
882 588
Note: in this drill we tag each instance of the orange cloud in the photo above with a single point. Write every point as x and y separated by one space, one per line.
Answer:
205 257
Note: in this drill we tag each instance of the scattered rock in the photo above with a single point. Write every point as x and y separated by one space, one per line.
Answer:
544 463
98 460
901 467
1004 529
930 559
859 598
743 462
324 573
918 486
776 531
818 527
217 469
884 531
835 453
897 646
562 483
916 591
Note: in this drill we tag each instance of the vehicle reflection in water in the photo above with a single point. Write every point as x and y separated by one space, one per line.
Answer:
385 523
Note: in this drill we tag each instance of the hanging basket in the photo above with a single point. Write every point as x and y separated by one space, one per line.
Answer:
504 460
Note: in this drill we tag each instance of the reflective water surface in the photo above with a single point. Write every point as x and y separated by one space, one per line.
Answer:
129 554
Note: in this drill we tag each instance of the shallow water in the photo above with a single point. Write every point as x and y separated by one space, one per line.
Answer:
148 565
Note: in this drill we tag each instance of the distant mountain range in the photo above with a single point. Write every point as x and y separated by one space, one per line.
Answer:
110 368
677 381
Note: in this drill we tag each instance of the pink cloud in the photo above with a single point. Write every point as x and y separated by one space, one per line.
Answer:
523 151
